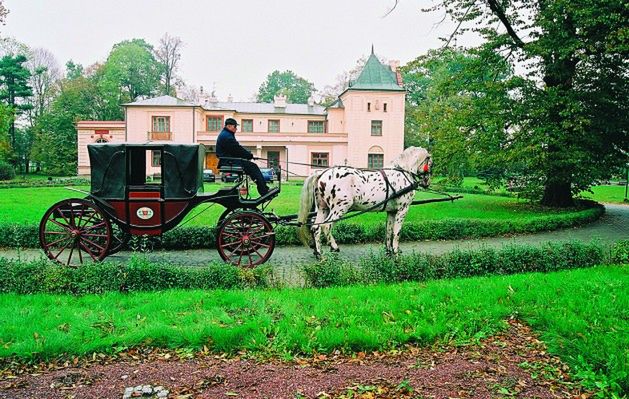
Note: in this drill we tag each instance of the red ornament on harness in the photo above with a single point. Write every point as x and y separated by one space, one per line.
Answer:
426 167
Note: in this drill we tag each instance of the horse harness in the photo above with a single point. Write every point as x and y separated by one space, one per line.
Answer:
413 184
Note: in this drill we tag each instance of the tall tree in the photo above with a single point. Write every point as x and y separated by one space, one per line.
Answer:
573 112
296 89
168 53
458 102
14 88
3 12
45 75
131 71
56 140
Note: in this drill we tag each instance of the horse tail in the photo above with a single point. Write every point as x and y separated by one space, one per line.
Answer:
305 206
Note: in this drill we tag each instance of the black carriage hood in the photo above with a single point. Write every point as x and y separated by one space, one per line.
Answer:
182 168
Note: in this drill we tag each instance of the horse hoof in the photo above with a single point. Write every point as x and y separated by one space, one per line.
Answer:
335 250
317 255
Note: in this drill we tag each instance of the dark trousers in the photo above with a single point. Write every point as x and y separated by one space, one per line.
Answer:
253 171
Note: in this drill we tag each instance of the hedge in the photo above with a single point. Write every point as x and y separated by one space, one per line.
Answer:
53 182
138 274
16 235
511 259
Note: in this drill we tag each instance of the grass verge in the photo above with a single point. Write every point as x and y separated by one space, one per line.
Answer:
582 315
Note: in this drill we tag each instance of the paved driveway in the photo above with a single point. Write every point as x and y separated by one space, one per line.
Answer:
612 226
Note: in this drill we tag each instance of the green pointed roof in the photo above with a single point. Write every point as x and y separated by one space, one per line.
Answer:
376 76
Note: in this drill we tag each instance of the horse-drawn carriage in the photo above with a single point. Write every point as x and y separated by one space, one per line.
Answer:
123 201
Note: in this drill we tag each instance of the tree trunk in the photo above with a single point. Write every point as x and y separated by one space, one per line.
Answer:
557 194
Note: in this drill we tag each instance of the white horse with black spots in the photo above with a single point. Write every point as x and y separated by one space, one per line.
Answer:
340 189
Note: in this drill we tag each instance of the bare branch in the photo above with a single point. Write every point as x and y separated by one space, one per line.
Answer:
391 10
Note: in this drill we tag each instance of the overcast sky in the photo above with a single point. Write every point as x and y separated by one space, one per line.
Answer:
233 45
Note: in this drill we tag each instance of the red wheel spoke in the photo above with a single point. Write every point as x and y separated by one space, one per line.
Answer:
261 244
63 226
93 235
55 232
88 251
50 244
70 256
101 224
89 219
93 243
62 249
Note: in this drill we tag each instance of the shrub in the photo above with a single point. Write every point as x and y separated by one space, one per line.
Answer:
330 271
381 268
138 275
620 252
6 171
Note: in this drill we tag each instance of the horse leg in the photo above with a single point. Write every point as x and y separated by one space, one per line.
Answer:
316 232
397 227
327 231
336 212
388 238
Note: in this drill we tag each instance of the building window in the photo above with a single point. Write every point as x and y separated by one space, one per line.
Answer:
375 161
316 127
385 107
274 126
320 159
368 107
156 158
161 124
214 123
376 128
246 125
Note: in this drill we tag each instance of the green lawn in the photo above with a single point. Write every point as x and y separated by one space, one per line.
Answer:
608 193
27 206
583 316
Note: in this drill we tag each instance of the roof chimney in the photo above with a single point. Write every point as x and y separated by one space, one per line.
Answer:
279 101
311 101
395 67
230 99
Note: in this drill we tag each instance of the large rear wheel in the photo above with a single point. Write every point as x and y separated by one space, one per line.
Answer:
75 231
245 239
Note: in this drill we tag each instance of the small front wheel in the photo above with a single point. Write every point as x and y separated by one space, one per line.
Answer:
245 239
74 231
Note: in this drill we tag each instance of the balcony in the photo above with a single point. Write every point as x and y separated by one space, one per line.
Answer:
156 136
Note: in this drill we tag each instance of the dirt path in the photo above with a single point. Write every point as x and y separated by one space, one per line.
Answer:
512 364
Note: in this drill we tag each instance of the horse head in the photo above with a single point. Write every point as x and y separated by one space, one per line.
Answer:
417 161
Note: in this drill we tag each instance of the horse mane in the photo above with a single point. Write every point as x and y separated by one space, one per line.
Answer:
410 159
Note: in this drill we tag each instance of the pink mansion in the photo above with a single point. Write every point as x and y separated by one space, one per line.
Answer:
363 128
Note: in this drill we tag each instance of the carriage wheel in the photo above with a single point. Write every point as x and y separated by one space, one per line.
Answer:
119 239
75 231
245 239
